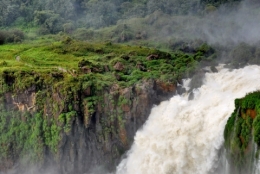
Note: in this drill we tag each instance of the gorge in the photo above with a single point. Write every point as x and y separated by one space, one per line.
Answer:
186 136
129 87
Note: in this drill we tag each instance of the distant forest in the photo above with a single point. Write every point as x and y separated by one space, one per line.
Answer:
53 16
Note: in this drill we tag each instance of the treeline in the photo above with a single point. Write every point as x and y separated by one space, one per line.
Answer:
57 15
217 2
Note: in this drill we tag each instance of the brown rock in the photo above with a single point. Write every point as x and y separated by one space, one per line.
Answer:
123 136
86 70
140 66
117 76
95 69
166 87
125 108
86 116
251 113
106 68
119 66
152 57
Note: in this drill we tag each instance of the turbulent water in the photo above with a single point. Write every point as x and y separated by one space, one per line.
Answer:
184 137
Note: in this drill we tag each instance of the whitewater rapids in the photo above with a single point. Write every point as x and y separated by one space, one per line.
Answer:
185 137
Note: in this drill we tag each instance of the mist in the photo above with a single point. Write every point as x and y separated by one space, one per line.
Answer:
228 25
32 170
223 24
51 170
231 29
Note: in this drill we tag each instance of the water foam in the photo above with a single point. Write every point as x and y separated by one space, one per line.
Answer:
184 137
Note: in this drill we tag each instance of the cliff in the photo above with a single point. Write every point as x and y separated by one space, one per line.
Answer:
74 131
73 106
242 134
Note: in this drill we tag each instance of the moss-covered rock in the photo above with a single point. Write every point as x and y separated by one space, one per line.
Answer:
75 105
242 133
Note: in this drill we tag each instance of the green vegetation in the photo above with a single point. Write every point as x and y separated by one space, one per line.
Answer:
64 55
13 36
116 20
98 64
242 131
217 2
23 134
68 79
51 15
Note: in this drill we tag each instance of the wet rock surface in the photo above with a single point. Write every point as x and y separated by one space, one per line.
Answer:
96 138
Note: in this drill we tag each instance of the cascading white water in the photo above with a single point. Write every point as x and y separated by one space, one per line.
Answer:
257 167
184 137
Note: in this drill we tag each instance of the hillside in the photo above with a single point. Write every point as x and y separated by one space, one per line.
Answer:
56 95
78 78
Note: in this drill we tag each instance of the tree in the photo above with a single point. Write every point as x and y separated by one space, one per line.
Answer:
49 20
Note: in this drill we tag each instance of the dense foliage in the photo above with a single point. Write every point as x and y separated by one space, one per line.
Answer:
66 62
13 36
53 15
242 132
68 77
116 63
217 2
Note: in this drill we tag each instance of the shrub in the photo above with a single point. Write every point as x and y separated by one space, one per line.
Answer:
126 36
43 31
49 20
15 36
68 27
2 37
83 34
11 36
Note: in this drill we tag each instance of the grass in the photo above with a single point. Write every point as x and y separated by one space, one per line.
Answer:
58 58
68 75
40 56
35 57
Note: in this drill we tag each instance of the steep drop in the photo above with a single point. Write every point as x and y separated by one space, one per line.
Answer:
182 136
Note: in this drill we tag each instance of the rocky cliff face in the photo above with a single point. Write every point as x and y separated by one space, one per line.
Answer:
242 134
78 131
71 106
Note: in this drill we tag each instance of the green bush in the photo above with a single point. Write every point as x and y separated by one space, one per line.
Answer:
43 30
256 125
242 128
68 27
48 20
12 36
2 37
83 34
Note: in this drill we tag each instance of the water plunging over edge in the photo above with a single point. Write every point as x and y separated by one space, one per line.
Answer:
182 136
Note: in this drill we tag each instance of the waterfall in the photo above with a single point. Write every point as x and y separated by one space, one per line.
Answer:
184 137
257 166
